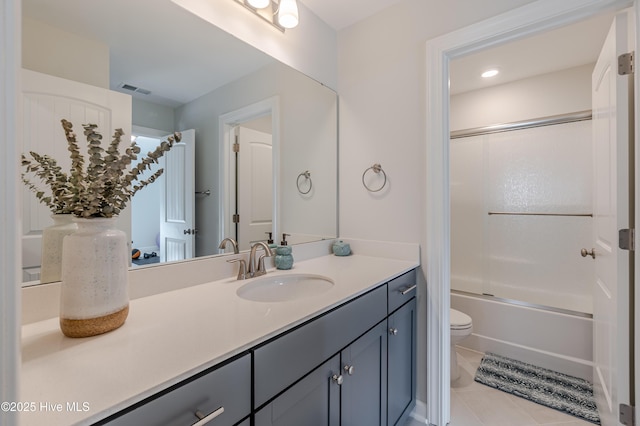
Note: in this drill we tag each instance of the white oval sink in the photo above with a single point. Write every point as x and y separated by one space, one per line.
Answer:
282 288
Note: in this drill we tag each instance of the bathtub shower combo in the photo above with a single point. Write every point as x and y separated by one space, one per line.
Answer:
521 211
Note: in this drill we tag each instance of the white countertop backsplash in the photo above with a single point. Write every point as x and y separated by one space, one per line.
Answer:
183 318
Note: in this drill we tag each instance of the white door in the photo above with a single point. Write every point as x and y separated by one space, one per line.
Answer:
254 189
611 120
45 101
177 206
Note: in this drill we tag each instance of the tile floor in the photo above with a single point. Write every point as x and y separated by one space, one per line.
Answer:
474 404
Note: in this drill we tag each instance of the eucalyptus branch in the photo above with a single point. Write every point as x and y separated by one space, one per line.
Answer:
105 186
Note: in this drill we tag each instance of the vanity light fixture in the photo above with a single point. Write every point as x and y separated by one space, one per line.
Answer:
490 73
279 13
259 4
288 13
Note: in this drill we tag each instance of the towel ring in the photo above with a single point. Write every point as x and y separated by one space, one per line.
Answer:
307 176
377 168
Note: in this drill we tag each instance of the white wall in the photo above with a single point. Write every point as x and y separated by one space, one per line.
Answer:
54 51
145 215
307 142
561 92
310 47
153 116
382 87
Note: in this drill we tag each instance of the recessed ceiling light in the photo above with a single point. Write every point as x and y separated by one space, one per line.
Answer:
490 73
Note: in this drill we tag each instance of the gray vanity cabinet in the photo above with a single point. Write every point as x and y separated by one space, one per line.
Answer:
313 401
223 395
283 361
364 386
402 363
350 389
354 365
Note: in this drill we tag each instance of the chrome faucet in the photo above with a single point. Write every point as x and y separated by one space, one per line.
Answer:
234 244
256 267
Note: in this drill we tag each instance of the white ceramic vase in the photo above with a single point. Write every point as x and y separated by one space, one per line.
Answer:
51 263
95 288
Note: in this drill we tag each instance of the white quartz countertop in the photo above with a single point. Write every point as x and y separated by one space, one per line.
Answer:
170 336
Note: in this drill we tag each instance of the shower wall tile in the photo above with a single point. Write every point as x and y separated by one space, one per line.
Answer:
537 259
544 169
530 258
468 215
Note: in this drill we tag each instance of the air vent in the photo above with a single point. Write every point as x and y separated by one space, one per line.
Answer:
133 88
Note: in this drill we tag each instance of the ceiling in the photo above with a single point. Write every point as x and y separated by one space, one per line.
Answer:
142 34
340 14
563 48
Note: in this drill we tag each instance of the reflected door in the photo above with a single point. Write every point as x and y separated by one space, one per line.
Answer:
46 100
254 186
177 209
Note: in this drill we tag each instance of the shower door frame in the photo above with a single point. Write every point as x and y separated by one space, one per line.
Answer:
537 17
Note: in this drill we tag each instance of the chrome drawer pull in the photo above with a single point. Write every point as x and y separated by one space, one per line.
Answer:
407 290
206 419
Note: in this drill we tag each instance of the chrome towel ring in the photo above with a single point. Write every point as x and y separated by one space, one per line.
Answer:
377 168
307 175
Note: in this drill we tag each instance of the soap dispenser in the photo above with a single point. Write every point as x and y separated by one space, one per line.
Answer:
284 259
270 242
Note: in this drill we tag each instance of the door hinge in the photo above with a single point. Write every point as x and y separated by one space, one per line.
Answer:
236 146
627 414
627 239
625 64
236 218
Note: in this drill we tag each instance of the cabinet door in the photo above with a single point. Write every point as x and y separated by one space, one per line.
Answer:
364 388
313 401
402 363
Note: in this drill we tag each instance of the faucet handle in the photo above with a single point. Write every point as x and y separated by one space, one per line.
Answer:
261 269
242 270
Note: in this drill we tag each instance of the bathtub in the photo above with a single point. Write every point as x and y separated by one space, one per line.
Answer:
560 340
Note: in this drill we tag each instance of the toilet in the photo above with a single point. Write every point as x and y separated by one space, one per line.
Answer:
461 327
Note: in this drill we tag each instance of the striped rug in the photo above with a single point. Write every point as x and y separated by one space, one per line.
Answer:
556 390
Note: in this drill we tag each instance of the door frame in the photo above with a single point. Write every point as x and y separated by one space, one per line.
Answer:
10 195
226 123
537 17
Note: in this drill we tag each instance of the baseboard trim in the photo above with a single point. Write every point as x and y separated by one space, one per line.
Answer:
419 412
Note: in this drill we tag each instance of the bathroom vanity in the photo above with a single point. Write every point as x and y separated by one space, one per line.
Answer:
344 356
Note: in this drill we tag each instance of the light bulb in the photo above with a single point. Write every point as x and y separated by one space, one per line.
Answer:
259 4
288 13
490 73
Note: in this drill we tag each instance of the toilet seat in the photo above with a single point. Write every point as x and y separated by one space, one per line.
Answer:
459 320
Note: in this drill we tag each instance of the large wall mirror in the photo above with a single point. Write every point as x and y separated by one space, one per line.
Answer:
183 74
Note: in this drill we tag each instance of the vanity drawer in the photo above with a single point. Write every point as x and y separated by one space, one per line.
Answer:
401 290
227 389
281 362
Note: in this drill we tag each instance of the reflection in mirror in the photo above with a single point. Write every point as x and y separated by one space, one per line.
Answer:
183 73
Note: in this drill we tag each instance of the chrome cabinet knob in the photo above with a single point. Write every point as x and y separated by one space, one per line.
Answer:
349 369
337 379
393 331
584 252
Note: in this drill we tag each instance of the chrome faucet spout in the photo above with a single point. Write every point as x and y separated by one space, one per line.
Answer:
234 244
256 266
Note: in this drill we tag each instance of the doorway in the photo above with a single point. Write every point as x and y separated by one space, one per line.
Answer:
259 120
535 18
252 189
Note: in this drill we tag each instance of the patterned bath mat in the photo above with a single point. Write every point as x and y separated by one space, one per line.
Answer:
556 390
